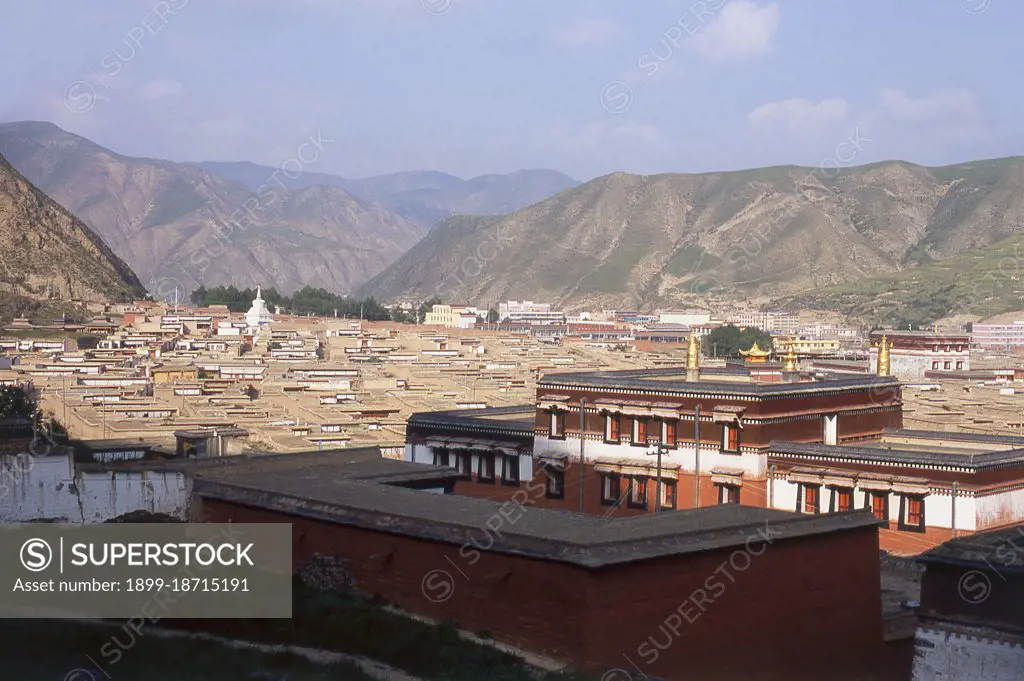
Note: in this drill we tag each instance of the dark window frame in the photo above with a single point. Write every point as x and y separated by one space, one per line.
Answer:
833 503
613 498
554 477
668 485
635 427
556 417
464 463
904 523
442 456
637 482
482 471
727 430
671 433
801 498
514 480
725 492
613 429
870 504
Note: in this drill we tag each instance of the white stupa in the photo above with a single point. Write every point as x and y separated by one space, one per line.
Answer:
258 315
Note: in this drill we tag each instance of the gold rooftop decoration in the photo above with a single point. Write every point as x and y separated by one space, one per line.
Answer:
790 359
755 354
884 368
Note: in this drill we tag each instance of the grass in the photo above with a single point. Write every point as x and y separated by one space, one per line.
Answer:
43 650
363 627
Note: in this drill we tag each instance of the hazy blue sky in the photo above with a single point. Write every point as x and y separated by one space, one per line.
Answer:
475 86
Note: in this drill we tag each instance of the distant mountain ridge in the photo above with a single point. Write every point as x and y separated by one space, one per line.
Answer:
676 239
51 256
180 226
425 197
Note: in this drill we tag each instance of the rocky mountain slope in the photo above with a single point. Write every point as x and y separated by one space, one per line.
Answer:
424 197
179 226
625 240
49 255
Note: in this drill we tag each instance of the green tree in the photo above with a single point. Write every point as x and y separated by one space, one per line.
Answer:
728 340
426 306
493 317
15 403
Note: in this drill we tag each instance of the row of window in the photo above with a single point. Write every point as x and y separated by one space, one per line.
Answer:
911 519
633 490
487 464
947 365
642 431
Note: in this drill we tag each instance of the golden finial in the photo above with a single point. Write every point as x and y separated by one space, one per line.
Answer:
693 352
790 359
883 358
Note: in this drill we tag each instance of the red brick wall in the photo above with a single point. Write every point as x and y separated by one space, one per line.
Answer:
798 610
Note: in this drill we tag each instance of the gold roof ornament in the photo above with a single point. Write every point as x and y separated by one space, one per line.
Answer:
790 360
693 352
884 368
755 353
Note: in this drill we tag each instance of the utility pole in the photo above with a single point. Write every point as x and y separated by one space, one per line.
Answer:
583 428
657 501
956 487
696 456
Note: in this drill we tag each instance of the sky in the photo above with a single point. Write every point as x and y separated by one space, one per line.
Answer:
470 87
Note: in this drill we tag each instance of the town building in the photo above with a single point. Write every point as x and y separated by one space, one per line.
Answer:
806 347
915 352
452 316
529 312
970 619
1007 337
685 317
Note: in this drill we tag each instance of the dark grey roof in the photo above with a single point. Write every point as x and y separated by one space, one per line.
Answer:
481 420
635 380
585 540
971 462
1014 440
996 550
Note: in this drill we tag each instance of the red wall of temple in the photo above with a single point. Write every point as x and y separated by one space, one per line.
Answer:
792 618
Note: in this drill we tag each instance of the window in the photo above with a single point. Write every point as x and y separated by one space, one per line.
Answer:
610 489
912 513
959 365
464 463
441 456
557 424
811 499
555 484
880 505
945 365
731 438
640 432
670 429
485 467
935 366
510 470
842 499
831 429
611 428
637 492
668 494
728 494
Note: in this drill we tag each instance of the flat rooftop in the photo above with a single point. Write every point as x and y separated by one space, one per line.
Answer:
726 381
329 493
514 420
919 448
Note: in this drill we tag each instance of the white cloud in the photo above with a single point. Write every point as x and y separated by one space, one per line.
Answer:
800 116
586 33
948 106
156 89
741 30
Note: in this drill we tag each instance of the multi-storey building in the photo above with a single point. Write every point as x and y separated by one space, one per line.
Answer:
757 434
915 352
998 336
529 312
452 316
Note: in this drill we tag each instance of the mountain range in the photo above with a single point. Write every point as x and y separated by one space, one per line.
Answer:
50 258
758 235
181 225
425 196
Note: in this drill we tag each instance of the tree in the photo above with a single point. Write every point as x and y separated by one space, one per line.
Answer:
15 403
493 317
728 340
426 306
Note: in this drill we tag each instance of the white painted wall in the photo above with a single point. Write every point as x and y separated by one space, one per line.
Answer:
46 488
711 456
941 656
1000 509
